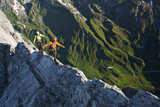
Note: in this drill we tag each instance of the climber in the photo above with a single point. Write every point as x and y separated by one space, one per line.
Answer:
38 38
53 45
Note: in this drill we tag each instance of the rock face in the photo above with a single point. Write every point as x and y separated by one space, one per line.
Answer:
35 81
15 6
9 35
145 99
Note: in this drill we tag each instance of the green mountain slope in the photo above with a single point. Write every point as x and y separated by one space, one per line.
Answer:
114 43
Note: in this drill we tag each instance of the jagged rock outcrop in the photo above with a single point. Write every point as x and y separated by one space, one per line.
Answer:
34 80
9 35
144 99
15 6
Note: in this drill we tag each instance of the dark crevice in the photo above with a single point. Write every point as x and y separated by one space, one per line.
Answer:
129 92
20 102
35 71
4 60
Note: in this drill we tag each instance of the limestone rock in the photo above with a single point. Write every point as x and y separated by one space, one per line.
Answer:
36 81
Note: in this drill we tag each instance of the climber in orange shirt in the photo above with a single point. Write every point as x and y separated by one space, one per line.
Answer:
53 45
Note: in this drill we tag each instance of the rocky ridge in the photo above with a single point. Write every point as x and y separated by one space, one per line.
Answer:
34 80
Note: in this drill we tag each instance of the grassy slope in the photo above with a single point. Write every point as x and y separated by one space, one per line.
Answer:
117 48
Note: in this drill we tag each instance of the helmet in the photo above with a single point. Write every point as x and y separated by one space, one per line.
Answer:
54 39
37 32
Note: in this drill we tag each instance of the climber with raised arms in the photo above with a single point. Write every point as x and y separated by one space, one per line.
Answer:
53 45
